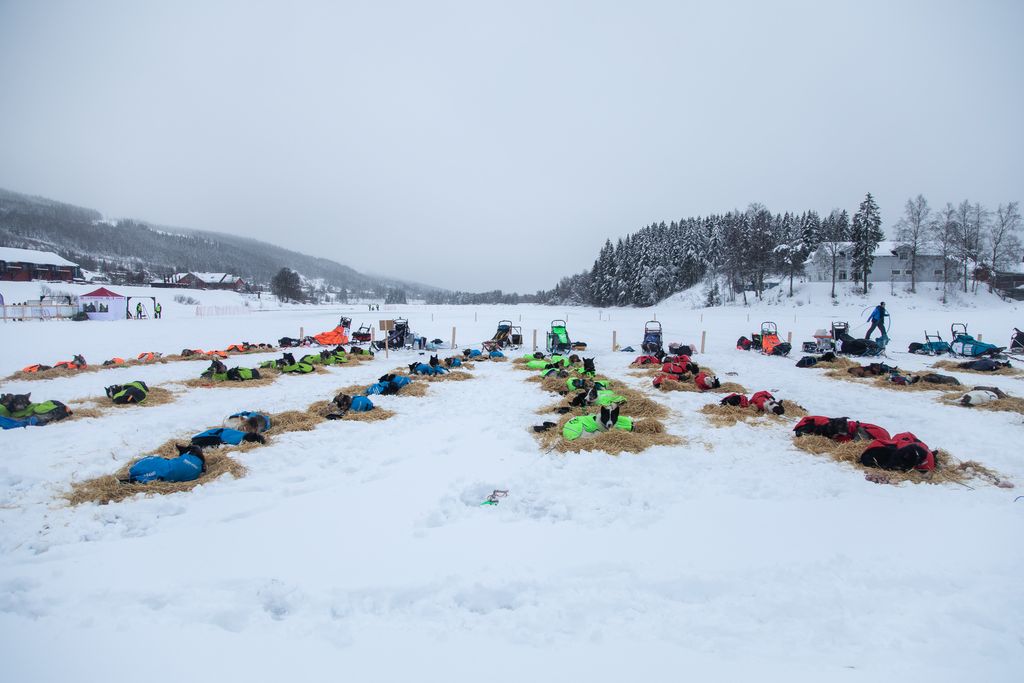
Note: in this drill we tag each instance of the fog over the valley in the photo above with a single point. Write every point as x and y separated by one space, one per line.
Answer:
480 145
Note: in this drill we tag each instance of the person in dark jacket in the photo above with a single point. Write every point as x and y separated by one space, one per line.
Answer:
877 320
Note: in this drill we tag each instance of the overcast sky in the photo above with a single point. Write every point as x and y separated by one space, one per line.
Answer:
480 145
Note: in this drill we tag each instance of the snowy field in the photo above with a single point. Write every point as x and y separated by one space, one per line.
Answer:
360 551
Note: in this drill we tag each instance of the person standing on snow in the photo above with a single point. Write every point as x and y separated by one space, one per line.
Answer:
157 309
877 320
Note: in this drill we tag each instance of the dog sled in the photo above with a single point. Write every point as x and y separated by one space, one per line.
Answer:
508 336
399 336
362 335
558 338
852 346
964 344
823 342
1017 341
769 342
653 340
934 345
335 337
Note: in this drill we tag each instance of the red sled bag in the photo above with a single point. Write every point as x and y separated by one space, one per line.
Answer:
903 452
646 360
743 344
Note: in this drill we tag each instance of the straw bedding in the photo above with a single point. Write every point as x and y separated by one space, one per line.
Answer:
952 365
95 406
948 468
646 433
690 385
637 406
1010 404
23 376
726 415
108 489
79 412
450 376
157 396
325 408
840 363
266 377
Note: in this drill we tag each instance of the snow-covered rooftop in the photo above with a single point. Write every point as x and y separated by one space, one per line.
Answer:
14 255
209 278
887 247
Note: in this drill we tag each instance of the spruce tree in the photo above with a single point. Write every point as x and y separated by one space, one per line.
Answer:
866 233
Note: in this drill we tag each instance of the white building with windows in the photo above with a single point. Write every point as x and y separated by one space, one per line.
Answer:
892 264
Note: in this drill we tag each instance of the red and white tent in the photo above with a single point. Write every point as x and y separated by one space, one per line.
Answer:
103 304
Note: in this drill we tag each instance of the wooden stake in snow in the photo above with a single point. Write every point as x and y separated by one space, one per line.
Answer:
453 336
703 336
615 345
302 332
789 338
535 341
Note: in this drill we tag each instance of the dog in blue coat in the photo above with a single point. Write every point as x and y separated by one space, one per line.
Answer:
248 421
189 465
346 403
225 436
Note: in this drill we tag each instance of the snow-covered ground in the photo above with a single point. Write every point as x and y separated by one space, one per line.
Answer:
360 550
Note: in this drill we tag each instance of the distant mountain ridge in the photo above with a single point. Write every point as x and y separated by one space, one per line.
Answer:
147 250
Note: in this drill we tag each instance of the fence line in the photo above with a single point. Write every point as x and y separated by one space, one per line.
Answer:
37 312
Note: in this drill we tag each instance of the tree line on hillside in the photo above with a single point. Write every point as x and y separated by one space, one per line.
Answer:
134 252
743 250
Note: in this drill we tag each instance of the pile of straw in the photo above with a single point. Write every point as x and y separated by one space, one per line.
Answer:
647 432
948 469
324 408
840 363
266 377
953 365
727 416
1009 404
107 489
157 396
23 376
